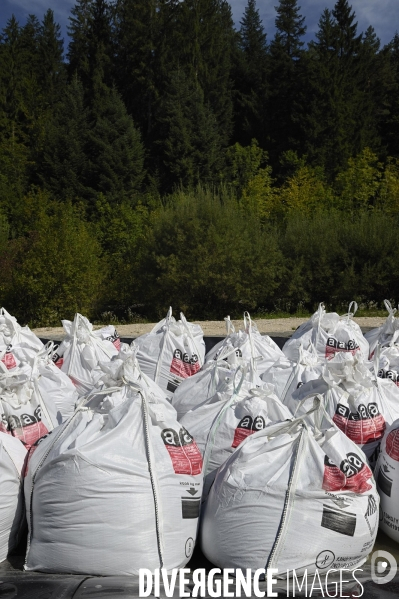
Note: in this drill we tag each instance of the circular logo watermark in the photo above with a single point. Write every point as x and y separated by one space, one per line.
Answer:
383 567
325 559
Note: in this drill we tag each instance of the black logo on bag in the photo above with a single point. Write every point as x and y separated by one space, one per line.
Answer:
351 465
184 357
363 412
350 345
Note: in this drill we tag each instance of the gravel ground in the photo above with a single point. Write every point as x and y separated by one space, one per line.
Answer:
277 327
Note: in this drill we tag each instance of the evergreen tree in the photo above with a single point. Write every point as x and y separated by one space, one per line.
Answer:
136 39
14 138
114 150
91 49
51 67
390 117
191 144
251 78
341 109
64 163
201 42
286 52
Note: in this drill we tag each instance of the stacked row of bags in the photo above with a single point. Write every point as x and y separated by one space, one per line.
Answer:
265 445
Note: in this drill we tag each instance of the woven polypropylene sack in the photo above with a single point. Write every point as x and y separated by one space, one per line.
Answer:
171 352
115 489
222 423
81 350
286 376
216 375
259 350
387 477
26 411
329 334
12 459
361 404
385 335
16 343
291 499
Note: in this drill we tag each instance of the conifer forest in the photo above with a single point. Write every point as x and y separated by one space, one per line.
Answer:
163 155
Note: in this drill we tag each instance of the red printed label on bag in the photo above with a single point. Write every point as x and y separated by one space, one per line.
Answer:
364 426
115 340
58 361
9 361
184 453
247 426
351 475
333 346
28 428
392 445
31 451
184 366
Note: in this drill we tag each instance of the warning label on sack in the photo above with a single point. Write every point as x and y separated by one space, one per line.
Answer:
190 507
247 426
9 360
364 426
352 475
115 340
392 445
184 453
184 366
384 482
28 428
333 346
342 522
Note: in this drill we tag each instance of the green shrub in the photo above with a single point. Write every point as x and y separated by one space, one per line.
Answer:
206 257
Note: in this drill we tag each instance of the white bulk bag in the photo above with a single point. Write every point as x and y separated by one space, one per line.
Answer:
16 343
54 386
223 421
387 477
125 366
289 498
12 460
81 350
203 385
330 334
388 365
260 350
385 335
26 413
171 352
360 403
115 489
286 376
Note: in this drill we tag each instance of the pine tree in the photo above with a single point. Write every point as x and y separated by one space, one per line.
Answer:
64 163
114 150
339 115
251 77
136 39
191 144
198 36
14 140
390 118
286 52
51 67
91 49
